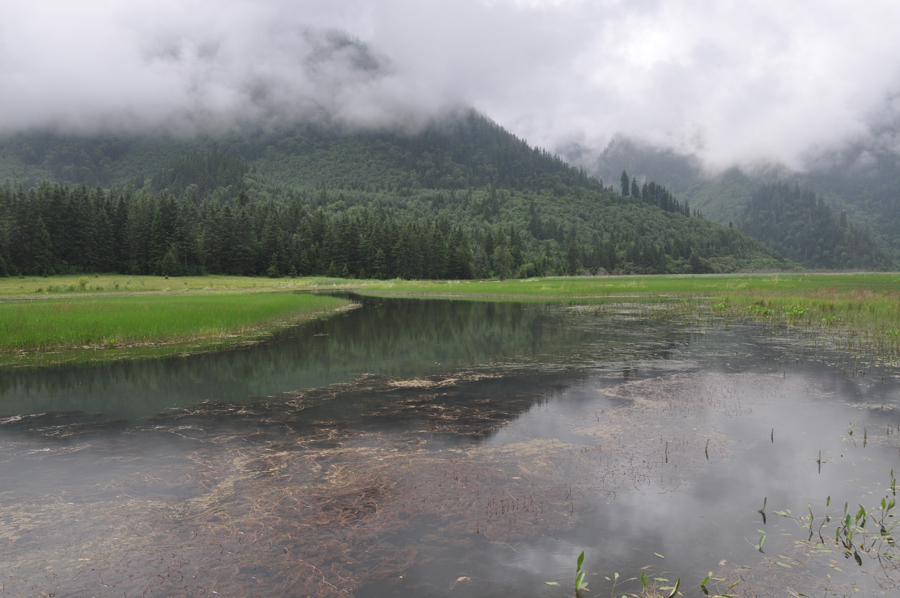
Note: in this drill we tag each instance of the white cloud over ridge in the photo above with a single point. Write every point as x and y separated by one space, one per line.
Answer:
730 81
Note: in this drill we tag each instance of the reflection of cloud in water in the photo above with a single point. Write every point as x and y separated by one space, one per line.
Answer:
500 473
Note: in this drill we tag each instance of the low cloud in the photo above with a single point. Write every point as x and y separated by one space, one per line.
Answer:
730 82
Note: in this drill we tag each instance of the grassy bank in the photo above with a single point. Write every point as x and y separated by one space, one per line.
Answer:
38 287
638 286
97 327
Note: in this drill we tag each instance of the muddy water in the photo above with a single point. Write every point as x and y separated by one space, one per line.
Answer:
450 449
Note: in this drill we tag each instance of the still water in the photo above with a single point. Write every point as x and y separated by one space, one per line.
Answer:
438 448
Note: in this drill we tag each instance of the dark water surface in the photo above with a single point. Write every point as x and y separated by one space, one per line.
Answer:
437 448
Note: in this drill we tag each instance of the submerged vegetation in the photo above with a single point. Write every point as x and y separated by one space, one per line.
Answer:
356 485
863 310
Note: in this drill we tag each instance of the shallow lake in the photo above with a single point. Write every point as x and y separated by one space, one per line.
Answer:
438 448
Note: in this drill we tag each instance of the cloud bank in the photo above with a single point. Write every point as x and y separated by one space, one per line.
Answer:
728 81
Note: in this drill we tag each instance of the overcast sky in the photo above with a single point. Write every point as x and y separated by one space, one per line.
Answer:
729 80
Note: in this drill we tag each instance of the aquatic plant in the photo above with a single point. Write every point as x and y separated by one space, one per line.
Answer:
140 322
704 587
794 311
647 590
865 532
580 584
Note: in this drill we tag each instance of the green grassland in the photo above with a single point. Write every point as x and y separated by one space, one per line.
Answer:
80 286
650 286
96 321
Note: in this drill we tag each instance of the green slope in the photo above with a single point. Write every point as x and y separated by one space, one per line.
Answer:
800 226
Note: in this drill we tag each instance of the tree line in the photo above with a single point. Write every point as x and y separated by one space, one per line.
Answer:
653 194
60 229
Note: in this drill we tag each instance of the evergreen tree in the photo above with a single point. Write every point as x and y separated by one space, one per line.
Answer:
380 268
42 250
157 249
573 258
273 272
168 266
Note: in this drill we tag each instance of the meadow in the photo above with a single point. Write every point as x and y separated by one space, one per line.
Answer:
142 318
780 284
45 287
70 313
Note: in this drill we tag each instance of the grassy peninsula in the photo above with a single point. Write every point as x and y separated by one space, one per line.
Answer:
71 319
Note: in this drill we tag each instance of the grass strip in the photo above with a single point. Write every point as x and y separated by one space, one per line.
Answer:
636 286
143 324
38 287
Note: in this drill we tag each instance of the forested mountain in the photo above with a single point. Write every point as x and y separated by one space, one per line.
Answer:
462 198
862 180
468 151
801 227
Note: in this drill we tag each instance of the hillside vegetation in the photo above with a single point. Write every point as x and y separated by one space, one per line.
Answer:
860 182
461 199
800 226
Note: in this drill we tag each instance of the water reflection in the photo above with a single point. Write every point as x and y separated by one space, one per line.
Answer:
442 448
391 338
397 338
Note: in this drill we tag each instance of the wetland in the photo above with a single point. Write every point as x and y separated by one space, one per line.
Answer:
457 448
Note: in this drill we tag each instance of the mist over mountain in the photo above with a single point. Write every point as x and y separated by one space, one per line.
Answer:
462 198
733 84
117 94
860 180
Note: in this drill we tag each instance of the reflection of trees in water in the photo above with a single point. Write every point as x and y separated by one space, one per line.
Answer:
457 408
345 486
388 337
285 497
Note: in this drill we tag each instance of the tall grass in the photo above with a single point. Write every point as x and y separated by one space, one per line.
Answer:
119 284
105 321
575 287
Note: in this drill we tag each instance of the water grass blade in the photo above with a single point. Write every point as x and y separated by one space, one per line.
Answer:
675 589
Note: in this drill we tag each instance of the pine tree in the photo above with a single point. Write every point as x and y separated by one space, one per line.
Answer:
272 271
573 258
168 266
157 249
42 250
381 269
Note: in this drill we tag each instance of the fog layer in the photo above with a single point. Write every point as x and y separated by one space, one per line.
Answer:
728 81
